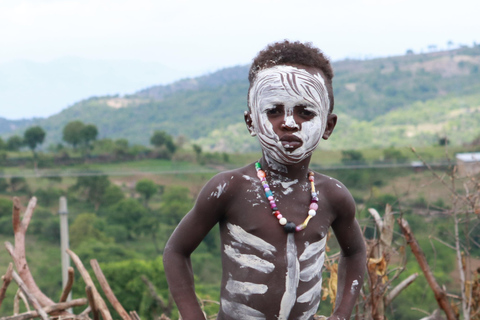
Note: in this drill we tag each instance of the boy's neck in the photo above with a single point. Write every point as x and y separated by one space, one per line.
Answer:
291 172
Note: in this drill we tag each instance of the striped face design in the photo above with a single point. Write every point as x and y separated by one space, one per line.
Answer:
294 92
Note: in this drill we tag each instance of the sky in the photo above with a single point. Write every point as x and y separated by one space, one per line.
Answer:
191 37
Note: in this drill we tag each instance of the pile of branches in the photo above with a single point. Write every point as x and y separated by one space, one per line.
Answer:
32 296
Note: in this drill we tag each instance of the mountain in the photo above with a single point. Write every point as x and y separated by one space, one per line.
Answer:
399 101
49 86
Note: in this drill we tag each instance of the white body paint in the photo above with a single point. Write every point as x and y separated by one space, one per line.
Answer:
245 288
220 190
354 286
290 87
249 260
248 239
241 311
306 268
291 281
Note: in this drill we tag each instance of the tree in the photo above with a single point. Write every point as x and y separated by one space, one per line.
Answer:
147 188
33 137
128 213
88 134
3 145
72 133
94 187
352 157
14 143
161 138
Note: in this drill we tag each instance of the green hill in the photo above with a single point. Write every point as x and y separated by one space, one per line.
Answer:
403 100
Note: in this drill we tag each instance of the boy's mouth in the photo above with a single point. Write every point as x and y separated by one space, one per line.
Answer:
291 142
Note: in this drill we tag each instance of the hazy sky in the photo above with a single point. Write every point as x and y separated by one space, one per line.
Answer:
205 35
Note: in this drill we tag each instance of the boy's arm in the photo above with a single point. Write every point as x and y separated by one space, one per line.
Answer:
208 210
351 268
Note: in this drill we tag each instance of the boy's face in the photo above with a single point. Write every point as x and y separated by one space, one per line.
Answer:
289 111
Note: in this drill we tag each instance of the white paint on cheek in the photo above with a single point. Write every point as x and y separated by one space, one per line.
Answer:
245 288
242 236
234 309
249 260
290 87
292 279
353 289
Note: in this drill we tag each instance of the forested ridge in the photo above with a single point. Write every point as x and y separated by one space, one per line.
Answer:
382 102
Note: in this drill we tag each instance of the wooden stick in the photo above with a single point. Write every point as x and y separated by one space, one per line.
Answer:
18 252
50 309
134 315
68 286
108 290
31 298
91 302
7 278
399 288
439 293
99 303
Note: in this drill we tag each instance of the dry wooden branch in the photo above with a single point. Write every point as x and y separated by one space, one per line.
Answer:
91 302
166 307
31 298
68 286
99 303
18 252
134 315
50 309
7 278
108 290
440 294
399 288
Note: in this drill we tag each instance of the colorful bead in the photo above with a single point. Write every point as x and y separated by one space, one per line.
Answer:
288 226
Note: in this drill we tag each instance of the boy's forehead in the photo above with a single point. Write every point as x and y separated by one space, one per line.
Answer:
293 79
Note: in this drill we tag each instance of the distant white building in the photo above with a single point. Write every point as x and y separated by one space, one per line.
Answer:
468 164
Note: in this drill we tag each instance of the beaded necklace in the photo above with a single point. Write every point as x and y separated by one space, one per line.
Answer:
288 226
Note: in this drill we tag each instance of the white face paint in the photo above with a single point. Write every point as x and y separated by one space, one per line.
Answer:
290 87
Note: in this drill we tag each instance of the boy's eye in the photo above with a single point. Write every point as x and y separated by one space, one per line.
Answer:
306 113
276 110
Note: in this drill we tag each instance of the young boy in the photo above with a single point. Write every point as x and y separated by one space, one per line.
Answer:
274 215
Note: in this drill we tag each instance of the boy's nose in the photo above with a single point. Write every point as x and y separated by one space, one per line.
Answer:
290 123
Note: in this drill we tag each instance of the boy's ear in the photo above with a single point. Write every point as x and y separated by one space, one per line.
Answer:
249 123
331 123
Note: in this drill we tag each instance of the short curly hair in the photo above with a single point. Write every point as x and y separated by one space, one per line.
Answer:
285 53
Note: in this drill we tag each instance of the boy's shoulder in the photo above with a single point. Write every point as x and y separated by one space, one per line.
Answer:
335 192
230 181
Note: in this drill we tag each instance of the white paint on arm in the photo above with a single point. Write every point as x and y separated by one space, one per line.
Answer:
248 239
353 289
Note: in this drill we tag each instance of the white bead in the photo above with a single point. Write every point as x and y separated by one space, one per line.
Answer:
312 212
283 221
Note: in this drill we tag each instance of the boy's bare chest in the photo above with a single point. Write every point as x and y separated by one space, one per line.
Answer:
266 271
